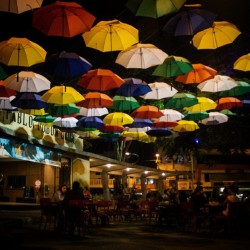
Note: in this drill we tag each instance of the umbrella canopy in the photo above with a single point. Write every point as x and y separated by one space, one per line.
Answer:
185 126
100 80
3 74
181 100
200 73
139 122
173 66
118 118
133 87
134 135
66 19
242 88
93 111
154 8
215 118
111 35
29 101
65 65
21 52
46 120
195 116
27 81
164 124
147 112
217 84
62 95
65 122
141 56
170 115
18 7
242 63
204 104
228 103
159 132
62 110
220 34
96 100
6 92
123 103
189 21
159 90
5 104
89 122
108 128
30 111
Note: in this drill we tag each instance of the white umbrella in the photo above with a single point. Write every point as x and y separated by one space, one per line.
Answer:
159 91
27 81
142 129
141 56
93 111
217 84
215 118
5 103
68 122
170 115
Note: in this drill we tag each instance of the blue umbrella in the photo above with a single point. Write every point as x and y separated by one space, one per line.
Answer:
140 123
133 87
67 65
90 122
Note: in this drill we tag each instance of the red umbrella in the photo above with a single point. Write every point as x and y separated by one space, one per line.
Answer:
6 92
112 128
66 19
228 103
100 80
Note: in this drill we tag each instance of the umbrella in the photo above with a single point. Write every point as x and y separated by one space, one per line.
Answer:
93 111
88 134
204 104
141 56
220 34
137 129
108 128
195 116
170 115
154 8
18 7
147 112
227 112
62 110
181 100
21 52
65 19
5 104
6 92
134 135
65 122
123 103
164 124
100 80
3 74
118 118
159 90
96 100
242 63
200 73
215 118
159 132
65 65
62 95
30 111
46 120
185 126
228 103
139 122
89 122
242 88
133 87
29 101
189 21
173 66
27 81
217 84
111 35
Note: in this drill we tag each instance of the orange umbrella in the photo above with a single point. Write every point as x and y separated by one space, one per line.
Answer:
96 100
199 74
147 112
100 80
6 92
66 19
228 103
164 124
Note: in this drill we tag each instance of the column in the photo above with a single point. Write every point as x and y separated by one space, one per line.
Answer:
143 186
105 185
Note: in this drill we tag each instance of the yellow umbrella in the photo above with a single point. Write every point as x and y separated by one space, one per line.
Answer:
111 36
33 111
185 126
203 104
118 118
220 34
62 95
242 63
21 52
138 135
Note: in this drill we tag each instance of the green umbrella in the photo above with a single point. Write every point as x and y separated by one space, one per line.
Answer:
44 119
181 100
227 112
3 74
241 89
173 66
195 116
122 103
63 110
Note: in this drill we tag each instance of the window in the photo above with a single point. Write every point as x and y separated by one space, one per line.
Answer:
17 181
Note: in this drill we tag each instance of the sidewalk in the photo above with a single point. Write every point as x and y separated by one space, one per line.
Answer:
19 230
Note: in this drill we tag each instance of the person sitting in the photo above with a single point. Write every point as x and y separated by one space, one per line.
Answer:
86 193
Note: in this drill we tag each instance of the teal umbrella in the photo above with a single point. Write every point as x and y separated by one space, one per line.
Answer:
181 100
123 103
173 66
195 116
241 89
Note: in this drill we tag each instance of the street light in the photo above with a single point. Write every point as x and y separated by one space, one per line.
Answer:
157 160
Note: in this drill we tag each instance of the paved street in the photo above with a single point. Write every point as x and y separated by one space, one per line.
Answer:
19 230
